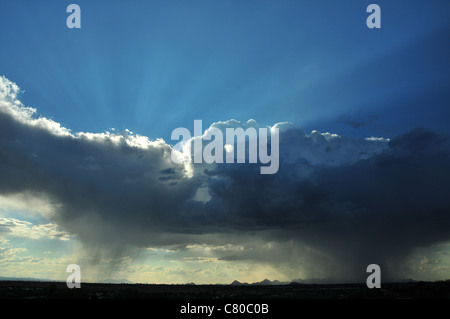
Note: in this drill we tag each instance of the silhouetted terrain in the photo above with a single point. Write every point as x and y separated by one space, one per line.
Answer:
52 290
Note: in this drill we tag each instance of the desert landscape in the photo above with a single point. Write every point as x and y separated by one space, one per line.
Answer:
59 290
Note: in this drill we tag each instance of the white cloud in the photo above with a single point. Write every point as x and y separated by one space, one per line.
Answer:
10 104
20 228
10 254
200 259
215 248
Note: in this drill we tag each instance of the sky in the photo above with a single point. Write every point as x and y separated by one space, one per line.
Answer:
86 117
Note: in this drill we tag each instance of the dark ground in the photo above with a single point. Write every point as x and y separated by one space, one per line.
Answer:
59 290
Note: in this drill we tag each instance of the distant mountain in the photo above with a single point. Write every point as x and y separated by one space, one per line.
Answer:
267 282
406 280
115 281
22 279
104 281
237 283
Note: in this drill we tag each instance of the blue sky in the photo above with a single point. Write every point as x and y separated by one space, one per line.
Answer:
152 66
117 206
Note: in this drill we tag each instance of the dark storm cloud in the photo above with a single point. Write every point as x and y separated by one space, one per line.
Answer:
374 210
336 204
108 182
